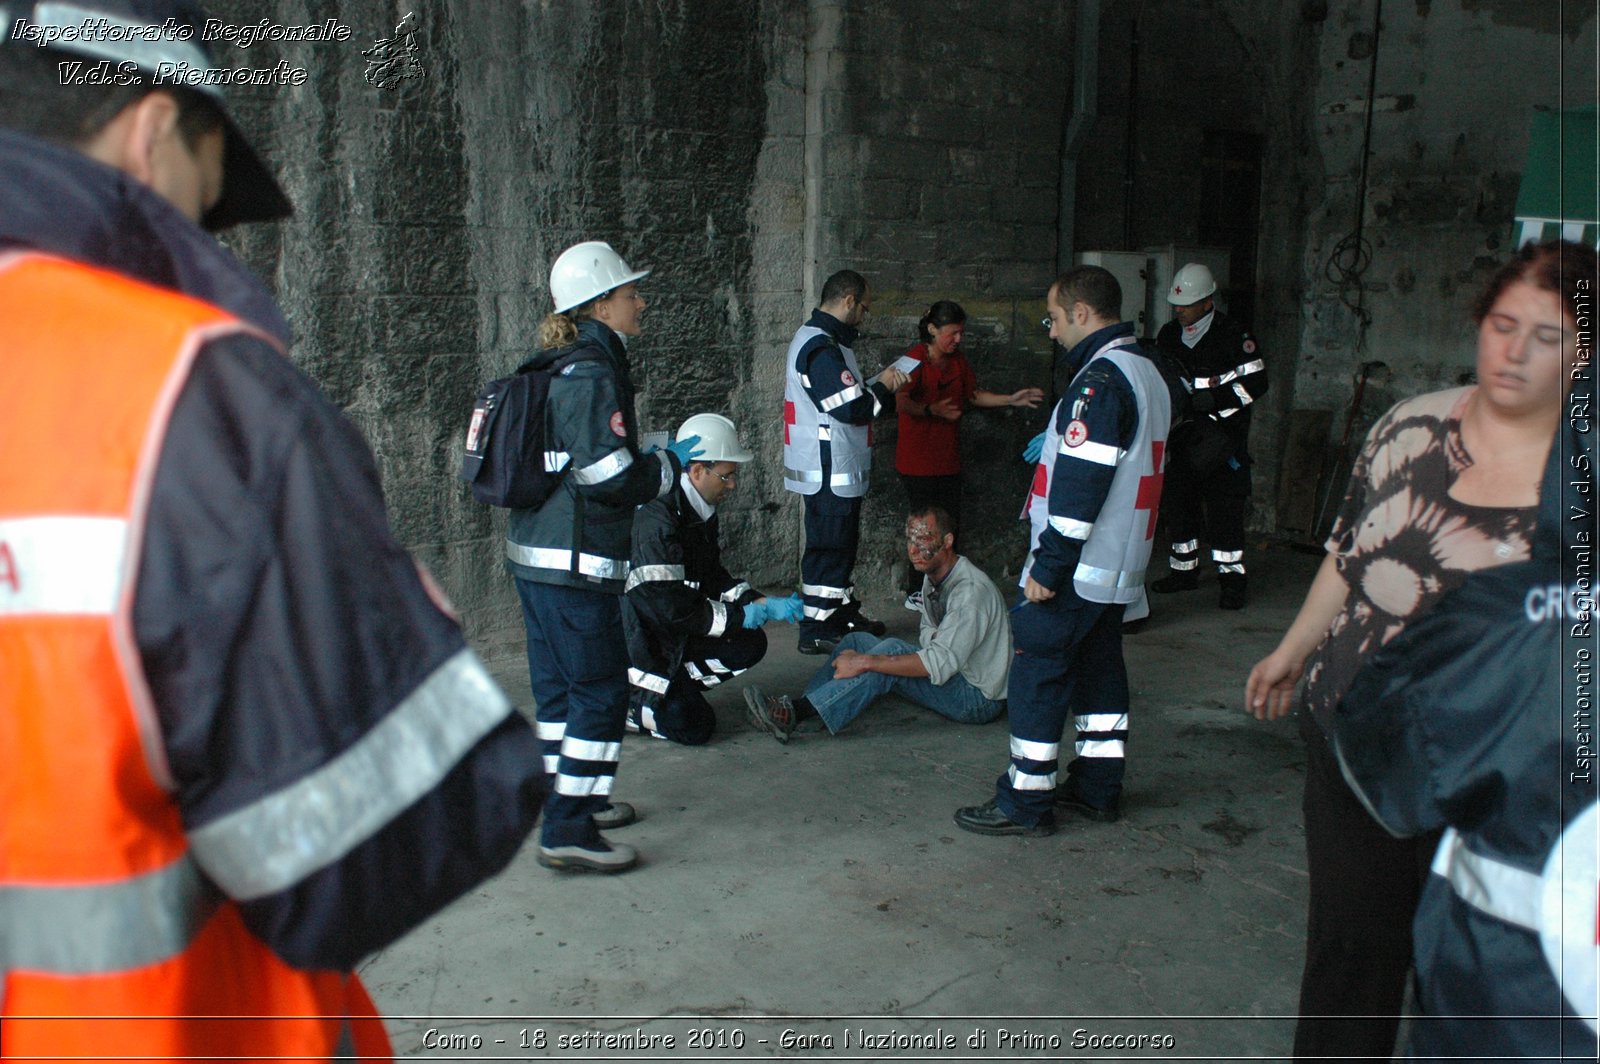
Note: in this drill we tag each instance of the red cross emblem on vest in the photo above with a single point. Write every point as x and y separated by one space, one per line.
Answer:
788 420
1149 497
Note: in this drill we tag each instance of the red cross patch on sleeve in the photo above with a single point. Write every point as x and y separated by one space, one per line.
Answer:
617 426
1077 433
1249 346
846 378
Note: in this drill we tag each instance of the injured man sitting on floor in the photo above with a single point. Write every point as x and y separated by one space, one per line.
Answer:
958 667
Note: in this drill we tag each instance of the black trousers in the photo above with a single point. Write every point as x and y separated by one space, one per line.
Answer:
1365 885
684 716
941 491
833 533
1209 507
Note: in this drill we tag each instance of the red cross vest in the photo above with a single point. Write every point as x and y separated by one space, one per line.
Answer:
806 429
1112 564
113 944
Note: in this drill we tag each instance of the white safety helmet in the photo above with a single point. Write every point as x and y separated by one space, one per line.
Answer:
588 271
1191 284
718 439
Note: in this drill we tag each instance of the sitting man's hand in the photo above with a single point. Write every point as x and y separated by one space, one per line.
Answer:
849 663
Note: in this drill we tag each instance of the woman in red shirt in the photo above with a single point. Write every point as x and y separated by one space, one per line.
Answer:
927 453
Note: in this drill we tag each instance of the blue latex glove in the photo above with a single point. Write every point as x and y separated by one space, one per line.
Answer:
756 614
789 609
1035 448
686 451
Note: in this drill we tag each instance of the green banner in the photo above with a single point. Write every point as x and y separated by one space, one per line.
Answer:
1560 194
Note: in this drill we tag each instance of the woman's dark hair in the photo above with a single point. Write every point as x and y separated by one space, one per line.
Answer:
1558 266
945 312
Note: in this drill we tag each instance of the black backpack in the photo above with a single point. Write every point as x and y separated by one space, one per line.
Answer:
506 434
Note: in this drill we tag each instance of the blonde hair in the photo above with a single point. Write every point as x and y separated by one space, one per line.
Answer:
557 330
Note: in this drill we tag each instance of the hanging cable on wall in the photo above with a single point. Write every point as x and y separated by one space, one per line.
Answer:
1352 255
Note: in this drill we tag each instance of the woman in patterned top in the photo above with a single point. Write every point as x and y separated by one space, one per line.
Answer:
1447 483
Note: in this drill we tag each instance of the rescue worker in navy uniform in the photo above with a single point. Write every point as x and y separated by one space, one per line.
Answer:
827 456
1092 510
689 624
235 716
1208 476
1466 721
569 556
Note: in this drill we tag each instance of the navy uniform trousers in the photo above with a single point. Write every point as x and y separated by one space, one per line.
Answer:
1068 662
684 716
578 670
833 532
1211 507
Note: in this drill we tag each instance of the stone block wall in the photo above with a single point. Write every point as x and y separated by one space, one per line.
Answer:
1460 83
744 149
934 161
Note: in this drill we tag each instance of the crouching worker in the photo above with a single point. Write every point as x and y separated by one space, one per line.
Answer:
689 624
958 668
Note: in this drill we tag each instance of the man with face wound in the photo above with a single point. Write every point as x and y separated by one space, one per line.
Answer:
959 666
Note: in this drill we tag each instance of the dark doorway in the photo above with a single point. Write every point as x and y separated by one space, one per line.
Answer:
1230 211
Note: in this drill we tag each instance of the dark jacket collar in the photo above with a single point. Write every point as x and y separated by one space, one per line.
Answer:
845 334
1085 349
598 332
60 201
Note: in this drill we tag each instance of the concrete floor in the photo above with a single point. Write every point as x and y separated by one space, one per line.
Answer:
821 888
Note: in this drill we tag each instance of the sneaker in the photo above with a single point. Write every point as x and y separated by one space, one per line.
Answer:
773 714
1234 593
987 819
615 815
914 602
819 645
1180 580
862 623
605 857
1065 799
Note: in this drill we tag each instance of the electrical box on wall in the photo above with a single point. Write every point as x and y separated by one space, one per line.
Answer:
1168 259
1131 269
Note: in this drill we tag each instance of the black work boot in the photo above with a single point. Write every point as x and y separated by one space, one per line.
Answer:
1233 594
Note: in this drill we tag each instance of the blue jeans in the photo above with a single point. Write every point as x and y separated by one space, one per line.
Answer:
839 702
578 669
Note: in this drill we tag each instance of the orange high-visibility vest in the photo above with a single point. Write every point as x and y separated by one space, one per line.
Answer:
113 944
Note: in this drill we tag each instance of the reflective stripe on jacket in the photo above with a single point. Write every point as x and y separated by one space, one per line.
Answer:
677 590
105 915
580 536
1117 541
847 462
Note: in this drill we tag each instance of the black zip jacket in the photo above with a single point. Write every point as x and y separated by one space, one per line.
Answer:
580 536
677 589
343 765
1225 373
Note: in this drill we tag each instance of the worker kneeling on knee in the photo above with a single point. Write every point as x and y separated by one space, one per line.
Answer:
689 624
